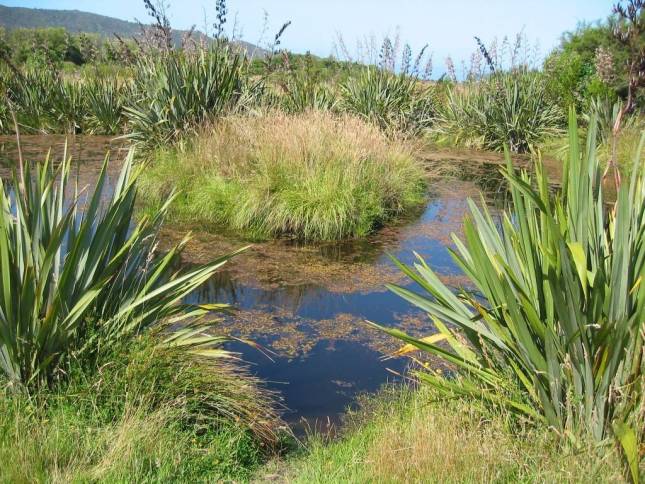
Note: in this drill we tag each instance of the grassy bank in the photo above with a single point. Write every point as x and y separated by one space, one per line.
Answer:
144 415
419 436
105 374
312 176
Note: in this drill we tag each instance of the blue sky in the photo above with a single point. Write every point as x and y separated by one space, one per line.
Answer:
447 25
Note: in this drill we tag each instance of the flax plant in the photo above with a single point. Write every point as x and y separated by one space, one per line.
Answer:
506 109
303 94
392 102
78 275
555 327
106 99
175 92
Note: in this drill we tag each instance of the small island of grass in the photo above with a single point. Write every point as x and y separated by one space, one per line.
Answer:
312 176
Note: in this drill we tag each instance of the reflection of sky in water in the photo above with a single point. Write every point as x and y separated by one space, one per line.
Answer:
325 382
322 382
307 381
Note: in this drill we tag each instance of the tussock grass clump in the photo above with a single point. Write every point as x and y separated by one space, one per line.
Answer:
403 435
143 414
312 176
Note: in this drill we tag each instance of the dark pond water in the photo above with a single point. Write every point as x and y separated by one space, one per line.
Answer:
307 304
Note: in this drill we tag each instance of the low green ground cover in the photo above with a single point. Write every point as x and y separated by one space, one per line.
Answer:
143 415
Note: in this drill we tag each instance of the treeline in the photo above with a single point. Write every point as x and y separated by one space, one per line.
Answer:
57 46
593 61
160 89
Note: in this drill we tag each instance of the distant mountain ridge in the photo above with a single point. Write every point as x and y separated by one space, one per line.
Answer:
77 21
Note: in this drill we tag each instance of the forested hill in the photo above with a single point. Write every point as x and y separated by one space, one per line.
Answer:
72 20
77 21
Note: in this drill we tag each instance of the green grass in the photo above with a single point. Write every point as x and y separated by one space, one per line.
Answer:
311 176
140 416
419 436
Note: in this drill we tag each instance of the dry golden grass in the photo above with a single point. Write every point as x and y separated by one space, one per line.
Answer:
138 434
442 445
242 142
405 436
